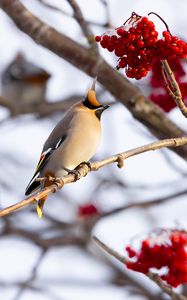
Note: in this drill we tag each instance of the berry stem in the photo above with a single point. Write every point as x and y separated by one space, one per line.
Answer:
153 13
131 17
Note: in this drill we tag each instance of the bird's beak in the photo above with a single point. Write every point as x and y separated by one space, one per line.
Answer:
105 107
102 108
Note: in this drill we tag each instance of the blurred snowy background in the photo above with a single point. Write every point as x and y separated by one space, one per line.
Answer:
28 268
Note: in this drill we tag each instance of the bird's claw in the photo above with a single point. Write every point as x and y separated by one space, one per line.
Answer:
51 178
56 180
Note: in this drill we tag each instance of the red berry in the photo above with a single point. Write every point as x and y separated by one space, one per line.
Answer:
140 44
105 37
131 48
98 38
131 37
87 210
113 38
153 33
110 47
130 251
150 25
132 30
122 63
142 52
129 73
103 43
120 31
144 20
146 36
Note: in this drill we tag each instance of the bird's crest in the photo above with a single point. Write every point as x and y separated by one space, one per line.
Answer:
91 96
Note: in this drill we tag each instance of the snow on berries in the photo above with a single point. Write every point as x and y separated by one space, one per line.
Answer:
168 249
137 45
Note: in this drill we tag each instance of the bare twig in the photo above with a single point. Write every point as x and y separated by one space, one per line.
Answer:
144 204
154 277
172 87
108 19
84 170
45 243
70 15
142 109
54 8
78 15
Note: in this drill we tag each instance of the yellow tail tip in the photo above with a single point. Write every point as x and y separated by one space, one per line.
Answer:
39 211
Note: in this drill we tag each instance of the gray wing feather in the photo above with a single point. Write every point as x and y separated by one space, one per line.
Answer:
60 130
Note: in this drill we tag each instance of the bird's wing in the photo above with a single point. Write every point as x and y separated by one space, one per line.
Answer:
60 130
33 184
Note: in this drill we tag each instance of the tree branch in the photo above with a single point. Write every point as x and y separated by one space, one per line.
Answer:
142 109
154 277
84 170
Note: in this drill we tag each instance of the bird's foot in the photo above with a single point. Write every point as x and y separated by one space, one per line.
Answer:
74 172
57 180
51 178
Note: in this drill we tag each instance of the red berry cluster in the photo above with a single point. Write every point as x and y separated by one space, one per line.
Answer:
170 252
137 45
87 210
159 94
171 47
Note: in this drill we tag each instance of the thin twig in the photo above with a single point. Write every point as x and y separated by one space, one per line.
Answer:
107 11
86 29
84 170
174 91
154 277
56 9
107 24
144 204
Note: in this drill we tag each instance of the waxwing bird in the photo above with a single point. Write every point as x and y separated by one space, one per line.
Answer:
74 140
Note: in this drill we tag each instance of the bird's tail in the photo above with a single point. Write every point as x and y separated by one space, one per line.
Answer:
32 187
40 204
39 207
